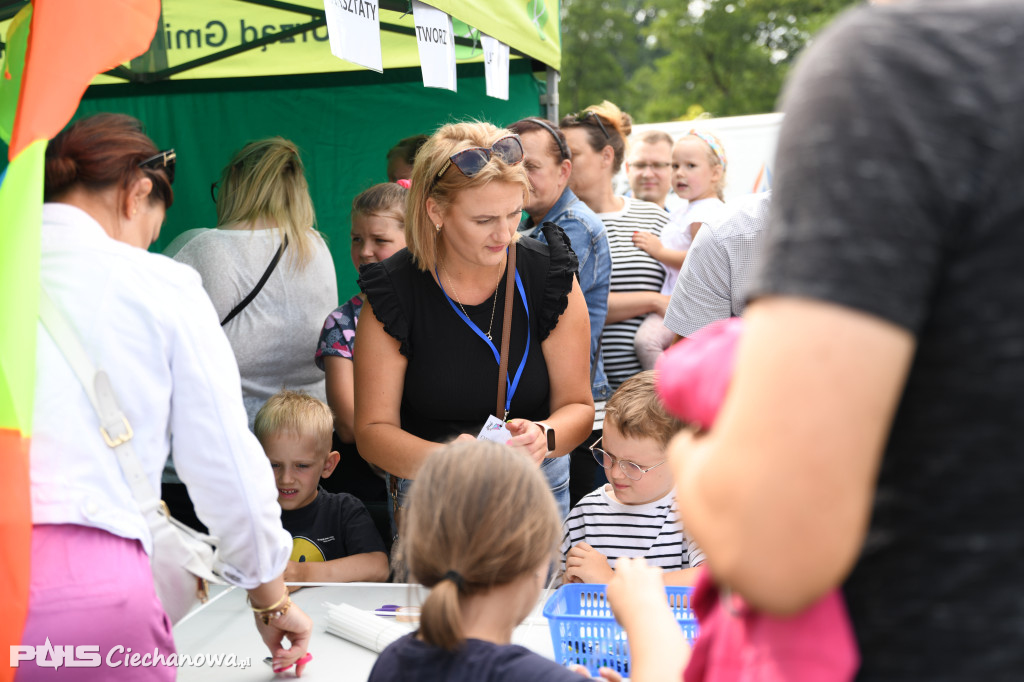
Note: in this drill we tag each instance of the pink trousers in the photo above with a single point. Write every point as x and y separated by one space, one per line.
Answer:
92 598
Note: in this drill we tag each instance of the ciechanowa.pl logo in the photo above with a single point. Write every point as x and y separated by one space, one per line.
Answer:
89 656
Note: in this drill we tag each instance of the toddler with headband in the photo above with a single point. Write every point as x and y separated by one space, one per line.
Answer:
480 529
698 175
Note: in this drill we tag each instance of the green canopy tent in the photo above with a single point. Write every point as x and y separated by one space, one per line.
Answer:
222 72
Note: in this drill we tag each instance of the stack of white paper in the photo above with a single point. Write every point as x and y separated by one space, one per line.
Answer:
362 627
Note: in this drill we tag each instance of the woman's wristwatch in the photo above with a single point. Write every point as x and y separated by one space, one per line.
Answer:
549 433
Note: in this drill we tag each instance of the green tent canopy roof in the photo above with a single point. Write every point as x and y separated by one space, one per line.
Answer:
220 73
204 39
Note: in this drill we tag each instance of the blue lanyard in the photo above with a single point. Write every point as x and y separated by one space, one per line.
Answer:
512 384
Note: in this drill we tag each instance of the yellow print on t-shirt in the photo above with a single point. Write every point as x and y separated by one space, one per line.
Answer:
304 549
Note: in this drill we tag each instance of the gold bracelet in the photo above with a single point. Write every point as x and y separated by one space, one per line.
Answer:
278 609
267 616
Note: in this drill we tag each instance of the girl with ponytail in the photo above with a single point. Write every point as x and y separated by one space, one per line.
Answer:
481 530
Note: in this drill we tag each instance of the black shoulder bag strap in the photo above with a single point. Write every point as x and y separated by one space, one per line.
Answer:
259 285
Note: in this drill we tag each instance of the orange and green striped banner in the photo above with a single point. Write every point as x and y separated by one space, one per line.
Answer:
54 49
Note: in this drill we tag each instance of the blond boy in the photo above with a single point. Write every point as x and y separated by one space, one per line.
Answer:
634 514
334 538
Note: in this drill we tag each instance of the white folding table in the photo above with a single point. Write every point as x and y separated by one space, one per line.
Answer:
225 626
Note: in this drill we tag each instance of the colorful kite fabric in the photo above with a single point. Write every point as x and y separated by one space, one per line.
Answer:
71 42
21 197
54 49
14 66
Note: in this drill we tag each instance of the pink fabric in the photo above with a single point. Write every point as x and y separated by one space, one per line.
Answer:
90 587
694 374
737 643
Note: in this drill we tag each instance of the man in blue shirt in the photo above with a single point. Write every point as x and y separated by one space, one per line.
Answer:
548 164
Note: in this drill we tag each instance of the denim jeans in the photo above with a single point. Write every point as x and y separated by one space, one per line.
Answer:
555 469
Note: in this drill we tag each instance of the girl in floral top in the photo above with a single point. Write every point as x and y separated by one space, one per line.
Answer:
378 230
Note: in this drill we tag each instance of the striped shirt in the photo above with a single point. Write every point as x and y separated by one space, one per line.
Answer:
653 531
632 270
719 269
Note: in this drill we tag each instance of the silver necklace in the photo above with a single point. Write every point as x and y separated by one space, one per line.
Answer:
494 303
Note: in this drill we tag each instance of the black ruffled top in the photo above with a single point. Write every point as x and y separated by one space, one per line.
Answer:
451 382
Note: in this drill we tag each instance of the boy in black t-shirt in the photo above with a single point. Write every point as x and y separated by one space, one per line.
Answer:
334 537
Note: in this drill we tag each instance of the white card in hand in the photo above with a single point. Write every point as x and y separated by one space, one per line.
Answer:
494 430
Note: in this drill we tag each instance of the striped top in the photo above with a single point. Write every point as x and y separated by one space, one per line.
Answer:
632 270
653 531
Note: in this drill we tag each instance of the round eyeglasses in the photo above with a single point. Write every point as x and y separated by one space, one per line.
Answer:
653 165
632 470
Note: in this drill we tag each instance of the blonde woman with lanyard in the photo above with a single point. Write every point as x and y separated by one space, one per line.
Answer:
426 360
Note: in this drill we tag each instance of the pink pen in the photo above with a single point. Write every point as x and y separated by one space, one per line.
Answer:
302 661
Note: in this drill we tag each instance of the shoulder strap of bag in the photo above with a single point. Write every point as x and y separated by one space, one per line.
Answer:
506 331
114 426
259 285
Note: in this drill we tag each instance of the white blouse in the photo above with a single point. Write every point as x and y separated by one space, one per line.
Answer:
147 321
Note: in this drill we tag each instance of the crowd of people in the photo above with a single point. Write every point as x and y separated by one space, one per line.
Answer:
509 294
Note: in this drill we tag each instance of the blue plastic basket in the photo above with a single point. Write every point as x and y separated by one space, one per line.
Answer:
584 631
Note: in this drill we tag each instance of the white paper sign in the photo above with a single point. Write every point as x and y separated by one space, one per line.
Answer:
436 41
495 66
494 430
354 30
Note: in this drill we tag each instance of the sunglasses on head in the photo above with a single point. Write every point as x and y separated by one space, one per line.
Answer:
471 161
562 149
164 160
580 118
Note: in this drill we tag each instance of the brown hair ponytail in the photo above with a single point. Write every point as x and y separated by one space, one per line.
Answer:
441 619
480 515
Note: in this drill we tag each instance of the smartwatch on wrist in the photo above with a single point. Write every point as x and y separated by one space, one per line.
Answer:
550 434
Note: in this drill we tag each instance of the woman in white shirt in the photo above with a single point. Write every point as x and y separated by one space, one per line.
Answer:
147 322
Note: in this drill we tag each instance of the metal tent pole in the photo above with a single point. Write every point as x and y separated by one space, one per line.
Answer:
550 99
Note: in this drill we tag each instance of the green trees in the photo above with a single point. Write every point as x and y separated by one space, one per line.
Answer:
604 43
673 59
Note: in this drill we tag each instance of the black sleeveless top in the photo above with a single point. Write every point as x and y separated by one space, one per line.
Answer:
451 382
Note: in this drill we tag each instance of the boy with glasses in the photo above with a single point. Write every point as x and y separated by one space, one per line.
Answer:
634 514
